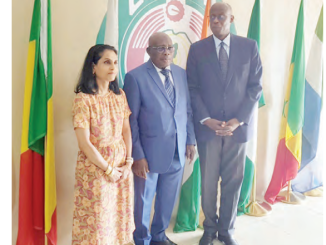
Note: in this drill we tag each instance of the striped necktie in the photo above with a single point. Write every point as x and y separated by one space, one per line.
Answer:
168 86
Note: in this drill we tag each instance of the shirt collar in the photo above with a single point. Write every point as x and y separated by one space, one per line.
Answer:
226 41
159 70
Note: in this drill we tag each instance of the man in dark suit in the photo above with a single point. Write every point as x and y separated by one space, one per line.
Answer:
224 77
162 136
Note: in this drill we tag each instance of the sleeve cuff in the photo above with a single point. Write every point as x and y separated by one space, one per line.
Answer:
203 120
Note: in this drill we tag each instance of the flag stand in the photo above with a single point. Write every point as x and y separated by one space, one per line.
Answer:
255 208
318 192
290 197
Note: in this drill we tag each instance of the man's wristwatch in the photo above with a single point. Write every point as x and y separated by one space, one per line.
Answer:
241 123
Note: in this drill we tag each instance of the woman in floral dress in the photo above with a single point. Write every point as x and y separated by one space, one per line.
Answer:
103 212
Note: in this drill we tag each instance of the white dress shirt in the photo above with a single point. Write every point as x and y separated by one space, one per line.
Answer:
217 42
162 76
226 42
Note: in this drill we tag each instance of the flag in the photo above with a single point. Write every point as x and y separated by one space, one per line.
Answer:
189 212
310 174
189 205
37 187
288 157
109 30
205 28
253 33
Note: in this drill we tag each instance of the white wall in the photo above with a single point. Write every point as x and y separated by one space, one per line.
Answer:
75 24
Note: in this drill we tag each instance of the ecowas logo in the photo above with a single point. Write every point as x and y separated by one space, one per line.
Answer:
181 20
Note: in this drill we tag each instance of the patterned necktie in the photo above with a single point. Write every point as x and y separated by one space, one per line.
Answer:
168 85
223 58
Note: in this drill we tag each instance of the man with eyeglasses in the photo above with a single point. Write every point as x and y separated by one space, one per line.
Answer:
162 137
224 77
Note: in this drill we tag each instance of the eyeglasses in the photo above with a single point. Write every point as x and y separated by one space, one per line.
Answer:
163 49
220 17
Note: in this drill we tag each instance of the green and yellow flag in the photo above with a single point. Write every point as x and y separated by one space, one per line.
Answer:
37 187
288 158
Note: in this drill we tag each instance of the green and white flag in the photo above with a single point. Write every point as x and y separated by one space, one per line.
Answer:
253 33
109 30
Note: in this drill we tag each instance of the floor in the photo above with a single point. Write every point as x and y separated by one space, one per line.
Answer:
286 225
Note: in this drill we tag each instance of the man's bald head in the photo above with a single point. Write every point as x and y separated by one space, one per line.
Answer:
156 43
220 19
221 5
157 37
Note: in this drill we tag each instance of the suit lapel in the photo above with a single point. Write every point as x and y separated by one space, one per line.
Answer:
212 57
232 54
153 73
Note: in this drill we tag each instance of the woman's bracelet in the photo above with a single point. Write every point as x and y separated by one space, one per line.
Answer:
109 170
129 161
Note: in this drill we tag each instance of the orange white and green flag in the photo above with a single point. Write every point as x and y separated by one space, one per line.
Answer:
189 205
288 157
37 186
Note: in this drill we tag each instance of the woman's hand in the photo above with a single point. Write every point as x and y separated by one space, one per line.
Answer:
126 170
116 174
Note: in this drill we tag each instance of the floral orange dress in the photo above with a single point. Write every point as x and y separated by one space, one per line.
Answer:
103 211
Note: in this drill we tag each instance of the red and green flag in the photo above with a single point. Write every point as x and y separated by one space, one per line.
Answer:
289 151
37 185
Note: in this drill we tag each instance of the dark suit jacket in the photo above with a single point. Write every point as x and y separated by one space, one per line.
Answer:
236 98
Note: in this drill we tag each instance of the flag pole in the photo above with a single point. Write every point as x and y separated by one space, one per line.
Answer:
290 197
257 209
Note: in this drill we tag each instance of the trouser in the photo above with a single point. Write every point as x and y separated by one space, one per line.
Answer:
223 157
166 186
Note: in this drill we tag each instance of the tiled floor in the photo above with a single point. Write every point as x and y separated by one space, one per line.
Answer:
285 225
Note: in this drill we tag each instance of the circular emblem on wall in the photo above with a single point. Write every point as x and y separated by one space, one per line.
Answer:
181 22
175 10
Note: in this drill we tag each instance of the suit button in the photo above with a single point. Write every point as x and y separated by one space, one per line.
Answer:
223 112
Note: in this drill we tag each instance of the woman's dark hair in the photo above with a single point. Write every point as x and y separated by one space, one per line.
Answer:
87 82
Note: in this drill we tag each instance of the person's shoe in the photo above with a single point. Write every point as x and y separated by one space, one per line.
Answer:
172 243
165 242
227 240
207 239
